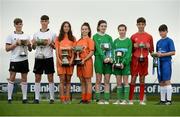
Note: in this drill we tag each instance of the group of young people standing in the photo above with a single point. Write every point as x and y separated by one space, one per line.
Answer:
122 57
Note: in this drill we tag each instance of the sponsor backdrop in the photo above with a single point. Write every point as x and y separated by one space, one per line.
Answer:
115 12
76 88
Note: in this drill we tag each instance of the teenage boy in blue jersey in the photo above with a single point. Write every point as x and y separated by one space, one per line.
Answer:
165 50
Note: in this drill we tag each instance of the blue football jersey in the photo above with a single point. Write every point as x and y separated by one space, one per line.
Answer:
164 46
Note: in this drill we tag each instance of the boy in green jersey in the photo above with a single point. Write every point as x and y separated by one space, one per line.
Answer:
122 48
103 60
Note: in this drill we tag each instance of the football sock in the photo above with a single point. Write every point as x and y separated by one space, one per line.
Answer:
97 95
10 89
126 92
131 93
83 97
51 91
106 96
24 90
169 92
141 95
88 96
120 93
163 93
37 91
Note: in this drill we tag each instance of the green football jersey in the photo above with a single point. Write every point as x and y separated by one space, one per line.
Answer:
125 46
99 40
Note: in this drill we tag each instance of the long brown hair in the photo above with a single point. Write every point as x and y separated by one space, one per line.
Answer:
62 33
87 24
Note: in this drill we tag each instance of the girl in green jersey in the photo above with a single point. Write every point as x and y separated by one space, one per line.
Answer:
122 48
103 60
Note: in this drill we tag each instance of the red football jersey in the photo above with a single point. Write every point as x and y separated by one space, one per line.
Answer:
144 38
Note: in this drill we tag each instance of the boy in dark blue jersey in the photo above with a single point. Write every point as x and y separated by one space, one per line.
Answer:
165 49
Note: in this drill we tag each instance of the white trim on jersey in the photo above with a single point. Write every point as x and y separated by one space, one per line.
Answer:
15 53
46 50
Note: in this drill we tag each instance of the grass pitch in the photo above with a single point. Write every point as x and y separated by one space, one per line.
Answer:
74 109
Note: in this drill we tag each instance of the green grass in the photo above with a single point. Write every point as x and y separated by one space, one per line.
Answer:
74 109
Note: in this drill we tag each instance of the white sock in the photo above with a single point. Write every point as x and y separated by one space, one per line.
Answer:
24 90
51 91
10 89
37 91
163 93
169 92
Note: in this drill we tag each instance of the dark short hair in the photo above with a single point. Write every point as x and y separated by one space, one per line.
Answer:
100 22
122 25
17 21
44 17
163 28
141 20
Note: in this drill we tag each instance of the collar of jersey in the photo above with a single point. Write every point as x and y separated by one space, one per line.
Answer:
45 31
18 33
